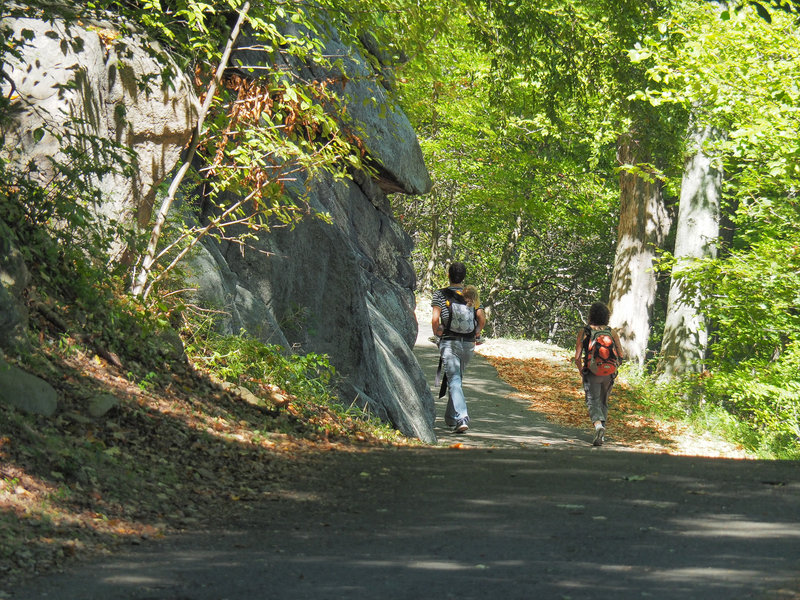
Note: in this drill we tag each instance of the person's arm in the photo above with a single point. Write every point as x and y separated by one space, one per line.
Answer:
436 321
481 316
579 350
620 349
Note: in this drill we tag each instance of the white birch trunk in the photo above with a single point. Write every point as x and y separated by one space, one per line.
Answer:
427 281
685 335
508 251
149 258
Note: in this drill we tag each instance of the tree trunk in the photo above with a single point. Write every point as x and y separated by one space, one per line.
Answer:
140 279
451 228
427 280
685 336
508 251
643 227
555 325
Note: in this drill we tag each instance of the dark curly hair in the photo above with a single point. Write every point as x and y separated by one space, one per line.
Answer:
457 272
599 314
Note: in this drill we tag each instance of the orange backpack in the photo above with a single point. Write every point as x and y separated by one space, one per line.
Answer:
602 357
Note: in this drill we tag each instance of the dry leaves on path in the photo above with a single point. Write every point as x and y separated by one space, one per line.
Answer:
553 387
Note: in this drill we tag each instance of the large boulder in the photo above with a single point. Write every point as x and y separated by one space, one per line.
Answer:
74 82
26 392
74 78
346 288
390 141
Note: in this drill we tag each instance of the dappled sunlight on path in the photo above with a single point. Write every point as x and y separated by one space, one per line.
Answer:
500 418
485 523
528 509
523 393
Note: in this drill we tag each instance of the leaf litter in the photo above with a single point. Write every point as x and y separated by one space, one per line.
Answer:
544 375
183 451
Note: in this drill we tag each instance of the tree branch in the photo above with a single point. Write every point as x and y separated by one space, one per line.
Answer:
138 288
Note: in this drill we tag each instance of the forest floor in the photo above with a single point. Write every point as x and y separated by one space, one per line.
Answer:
172 457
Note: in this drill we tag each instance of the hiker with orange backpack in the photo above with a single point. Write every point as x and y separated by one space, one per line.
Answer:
598 353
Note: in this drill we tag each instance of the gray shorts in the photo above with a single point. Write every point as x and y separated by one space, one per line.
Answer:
597 388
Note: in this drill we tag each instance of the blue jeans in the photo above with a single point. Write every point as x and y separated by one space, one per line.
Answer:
455 357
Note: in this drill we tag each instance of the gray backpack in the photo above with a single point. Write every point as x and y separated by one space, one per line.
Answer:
462 321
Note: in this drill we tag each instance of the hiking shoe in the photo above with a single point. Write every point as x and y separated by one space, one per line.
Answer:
599 436
461 427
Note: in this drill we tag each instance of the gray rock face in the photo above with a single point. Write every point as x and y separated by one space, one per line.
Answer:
347 290
26 392
100 405
390 140
344 289
88 78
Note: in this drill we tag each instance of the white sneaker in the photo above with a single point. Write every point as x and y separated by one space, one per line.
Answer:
599 436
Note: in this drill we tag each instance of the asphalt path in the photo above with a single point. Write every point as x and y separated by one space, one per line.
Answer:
498 419
521 510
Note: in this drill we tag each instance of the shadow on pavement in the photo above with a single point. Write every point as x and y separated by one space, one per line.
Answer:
483 524
527 510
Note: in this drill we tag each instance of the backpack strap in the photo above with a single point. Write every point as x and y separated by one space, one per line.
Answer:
448 300
441 375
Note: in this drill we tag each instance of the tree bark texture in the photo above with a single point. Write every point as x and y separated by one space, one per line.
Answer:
451 229
643 228
508 251
697 233
427 280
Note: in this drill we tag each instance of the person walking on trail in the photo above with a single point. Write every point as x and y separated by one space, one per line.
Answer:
598 353
457 322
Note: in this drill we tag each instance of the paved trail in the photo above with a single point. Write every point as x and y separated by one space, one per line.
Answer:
498 420
526 511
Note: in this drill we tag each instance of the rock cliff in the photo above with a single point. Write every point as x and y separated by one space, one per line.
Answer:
75 79
344 288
